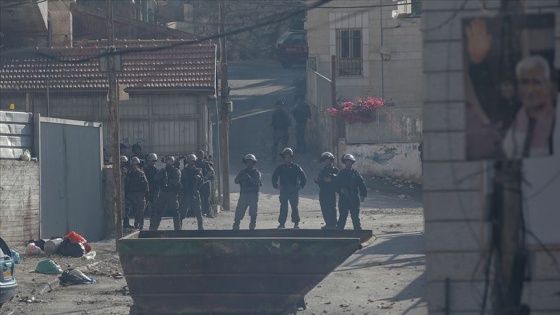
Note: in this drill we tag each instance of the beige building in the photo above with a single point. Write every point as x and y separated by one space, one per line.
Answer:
378 50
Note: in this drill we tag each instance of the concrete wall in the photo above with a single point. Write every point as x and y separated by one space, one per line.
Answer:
454 197
400 160
19 201
397 78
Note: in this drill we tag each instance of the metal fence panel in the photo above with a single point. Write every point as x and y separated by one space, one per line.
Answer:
71 178
16 134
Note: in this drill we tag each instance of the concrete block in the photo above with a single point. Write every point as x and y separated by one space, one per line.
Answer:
453 176
455 236
463 266
443 56
464 296
444 146
444 116
453 205
443 86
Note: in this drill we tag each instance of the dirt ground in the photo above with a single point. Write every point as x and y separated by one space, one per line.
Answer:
387 277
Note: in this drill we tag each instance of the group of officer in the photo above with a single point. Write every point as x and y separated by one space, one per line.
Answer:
166 191
289 178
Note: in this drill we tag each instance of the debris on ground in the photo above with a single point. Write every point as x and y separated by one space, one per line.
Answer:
48 267
74 276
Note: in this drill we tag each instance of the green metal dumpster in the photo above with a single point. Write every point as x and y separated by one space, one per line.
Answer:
230 272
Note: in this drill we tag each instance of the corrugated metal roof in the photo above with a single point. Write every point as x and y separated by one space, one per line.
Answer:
181 67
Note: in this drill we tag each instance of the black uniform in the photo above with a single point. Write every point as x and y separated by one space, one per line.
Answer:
190 196
301 114
249 181
280 123
136 188
168 180
151 171
207 177
351 187
327 194
292 179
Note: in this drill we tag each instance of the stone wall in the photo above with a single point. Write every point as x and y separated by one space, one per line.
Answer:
253 44
19 201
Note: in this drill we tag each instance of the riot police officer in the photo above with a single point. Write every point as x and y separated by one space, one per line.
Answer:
249 180
292 179
136 188
191 180
124 209
168 180
327 189
352 190
207 177
151 170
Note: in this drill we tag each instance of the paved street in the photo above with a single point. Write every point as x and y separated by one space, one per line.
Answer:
387 277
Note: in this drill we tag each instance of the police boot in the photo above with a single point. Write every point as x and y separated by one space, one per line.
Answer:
236 225
253 223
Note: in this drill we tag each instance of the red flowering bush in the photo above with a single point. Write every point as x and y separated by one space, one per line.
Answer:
360 110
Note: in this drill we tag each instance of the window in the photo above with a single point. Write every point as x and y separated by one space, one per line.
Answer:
408 8
349 52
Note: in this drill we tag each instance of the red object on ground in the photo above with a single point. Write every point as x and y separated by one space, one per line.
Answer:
75 237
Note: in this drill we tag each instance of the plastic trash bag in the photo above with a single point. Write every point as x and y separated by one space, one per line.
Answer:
48 267
32 249
74 276
71 249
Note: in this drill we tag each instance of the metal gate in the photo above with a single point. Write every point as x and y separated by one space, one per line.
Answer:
71 157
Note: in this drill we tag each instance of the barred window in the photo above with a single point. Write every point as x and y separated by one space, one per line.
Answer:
349 52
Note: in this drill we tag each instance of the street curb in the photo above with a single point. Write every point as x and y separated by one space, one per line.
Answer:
55 283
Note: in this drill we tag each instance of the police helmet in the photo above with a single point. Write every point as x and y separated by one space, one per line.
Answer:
279 103
134 160
326 155
152 157
249 157
124 159
287 151
348 157
191 158
169 158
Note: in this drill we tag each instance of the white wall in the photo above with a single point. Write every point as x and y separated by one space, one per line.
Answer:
401 160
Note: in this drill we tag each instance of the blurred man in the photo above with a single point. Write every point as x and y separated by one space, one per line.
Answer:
150 170
530 134
281 122
301 113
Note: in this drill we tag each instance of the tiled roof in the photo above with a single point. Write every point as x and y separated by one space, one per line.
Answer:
182 67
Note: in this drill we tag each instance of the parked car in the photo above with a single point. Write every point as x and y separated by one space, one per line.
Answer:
8 284
291 48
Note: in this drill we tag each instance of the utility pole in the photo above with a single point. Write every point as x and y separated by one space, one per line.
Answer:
114 123
224 114
510 269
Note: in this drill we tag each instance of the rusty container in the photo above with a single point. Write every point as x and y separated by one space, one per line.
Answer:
230 272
